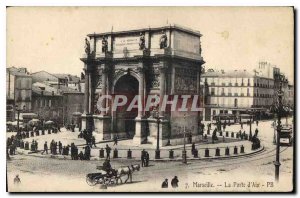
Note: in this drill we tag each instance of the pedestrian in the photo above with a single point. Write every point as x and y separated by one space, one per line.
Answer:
165 184
67 149
190 138
81 156
55 148
52 147
115 140
107 149
256 122
93 141
36 146
147 159
174 182
193 148
143 155
256 132
59 147
45 148
17 180
72 151
87 152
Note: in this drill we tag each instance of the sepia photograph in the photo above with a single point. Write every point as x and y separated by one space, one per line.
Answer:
150 99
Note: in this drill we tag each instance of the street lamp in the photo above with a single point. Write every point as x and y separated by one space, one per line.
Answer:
250 123
18 111
279 110
184 151
274 127
157 117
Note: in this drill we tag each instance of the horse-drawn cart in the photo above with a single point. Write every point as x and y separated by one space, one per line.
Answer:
101 178
111 178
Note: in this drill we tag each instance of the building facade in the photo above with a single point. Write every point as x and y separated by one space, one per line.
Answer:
57 80
236 92
72 103
47 102
55 104
18 91
152 61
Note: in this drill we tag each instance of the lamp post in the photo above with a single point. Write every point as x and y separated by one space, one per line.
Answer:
250 133
18 111
184 150
156 116
274 127
279 115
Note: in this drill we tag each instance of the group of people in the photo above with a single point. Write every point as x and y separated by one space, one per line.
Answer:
174 183
88 137
11 145
145 158
58 148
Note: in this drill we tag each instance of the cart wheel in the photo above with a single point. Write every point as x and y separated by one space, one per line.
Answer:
101 180
106 180
90 182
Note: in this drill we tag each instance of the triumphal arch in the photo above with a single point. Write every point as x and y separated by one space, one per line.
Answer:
160 61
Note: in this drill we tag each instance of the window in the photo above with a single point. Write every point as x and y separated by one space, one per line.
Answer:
248 82
212 91
223 92
248 92
229 91
242 81
49 103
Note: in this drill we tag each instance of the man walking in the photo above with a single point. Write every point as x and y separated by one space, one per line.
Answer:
93 141
107 149
143 156
115 140
174 182
59 147
147 159
165 184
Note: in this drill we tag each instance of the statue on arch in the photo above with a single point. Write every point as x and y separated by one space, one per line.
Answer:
104 44
163 40
87 47
82 77
142 41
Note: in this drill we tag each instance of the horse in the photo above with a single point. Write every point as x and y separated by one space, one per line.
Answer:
127 170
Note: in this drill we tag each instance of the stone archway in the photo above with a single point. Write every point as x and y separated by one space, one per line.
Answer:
128 86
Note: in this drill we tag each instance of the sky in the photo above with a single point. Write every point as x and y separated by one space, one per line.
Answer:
52 38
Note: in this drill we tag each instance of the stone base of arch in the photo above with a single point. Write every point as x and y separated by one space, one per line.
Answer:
102 127
140 131
163 129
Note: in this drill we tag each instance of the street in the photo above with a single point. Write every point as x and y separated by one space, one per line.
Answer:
47 174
